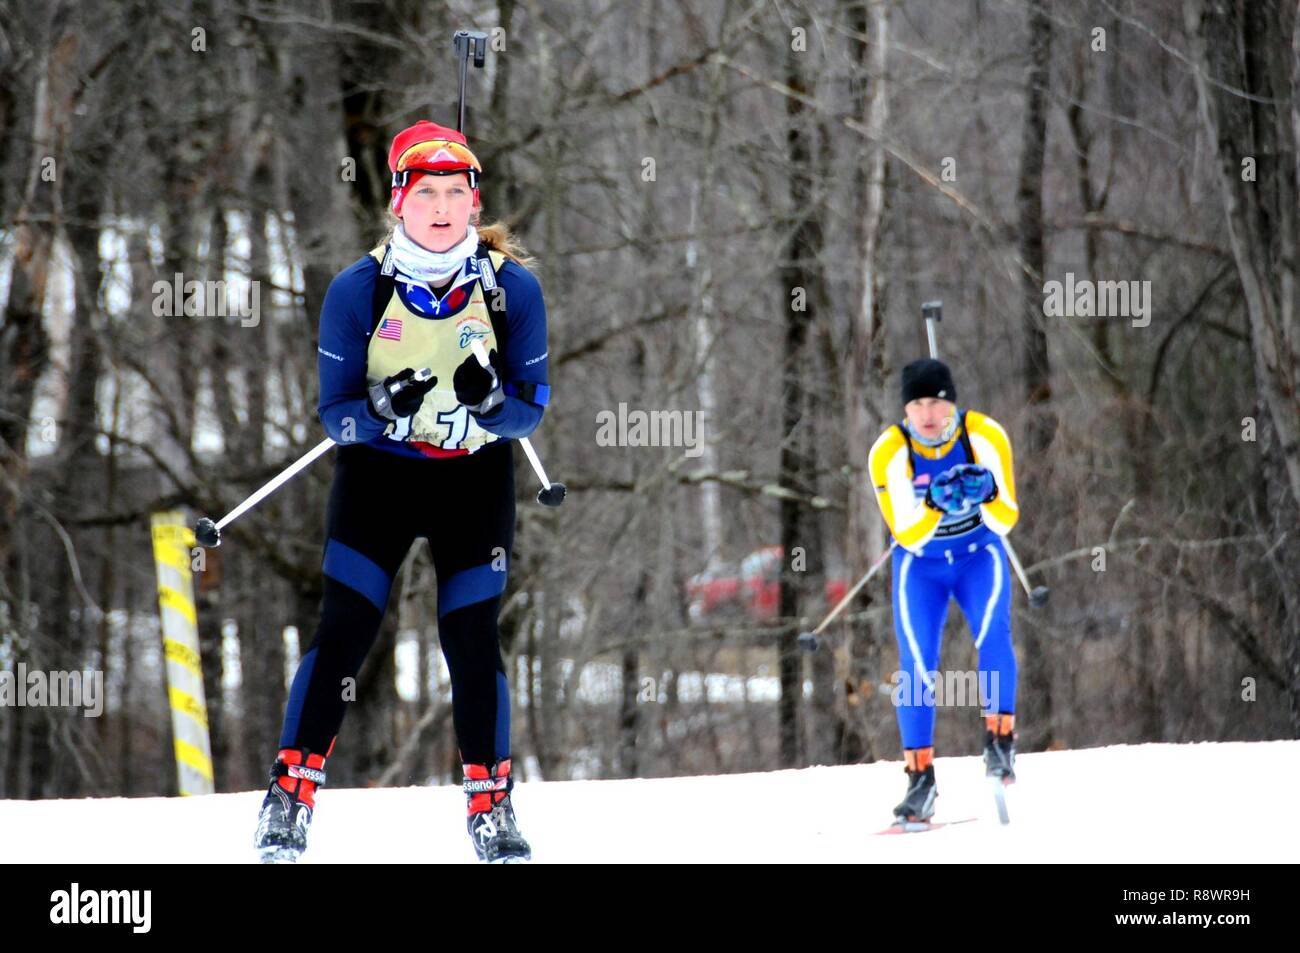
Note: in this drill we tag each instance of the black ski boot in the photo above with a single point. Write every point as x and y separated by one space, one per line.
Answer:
1000 747
917 807
286 812
491 823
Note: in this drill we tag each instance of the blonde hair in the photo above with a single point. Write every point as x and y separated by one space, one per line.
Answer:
496 235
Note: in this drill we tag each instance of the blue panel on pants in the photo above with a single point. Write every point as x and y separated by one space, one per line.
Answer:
357 571
297 695
470 586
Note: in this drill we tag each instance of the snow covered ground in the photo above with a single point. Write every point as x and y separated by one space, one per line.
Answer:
1143 803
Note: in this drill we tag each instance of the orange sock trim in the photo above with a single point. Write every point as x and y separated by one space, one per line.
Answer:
1001 723
918 759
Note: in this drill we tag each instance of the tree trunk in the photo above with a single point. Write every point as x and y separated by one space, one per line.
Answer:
24 340
1248 48
864 383
803 287
1041 425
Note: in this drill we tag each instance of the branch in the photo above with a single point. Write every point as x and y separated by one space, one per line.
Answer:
69 550
598 341
993 229
1096 221
742 480
1225 616
1139 542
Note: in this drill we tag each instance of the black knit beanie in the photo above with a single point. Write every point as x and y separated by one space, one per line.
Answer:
928 378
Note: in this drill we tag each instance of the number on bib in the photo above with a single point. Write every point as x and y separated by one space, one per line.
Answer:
457 422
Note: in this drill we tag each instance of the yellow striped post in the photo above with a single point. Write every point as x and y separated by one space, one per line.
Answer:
173 541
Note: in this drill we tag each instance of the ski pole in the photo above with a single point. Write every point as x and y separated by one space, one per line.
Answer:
1039 595
208 534
551 494
932 312
808 640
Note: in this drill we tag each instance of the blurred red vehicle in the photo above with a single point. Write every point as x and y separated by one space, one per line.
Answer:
751 590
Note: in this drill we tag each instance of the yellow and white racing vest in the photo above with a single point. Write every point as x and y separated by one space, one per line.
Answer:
404 338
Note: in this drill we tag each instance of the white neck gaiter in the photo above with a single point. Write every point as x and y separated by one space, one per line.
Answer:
433 267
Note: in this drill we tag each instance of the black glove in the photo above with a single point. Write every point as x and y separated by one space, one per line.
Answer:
479 387
386 404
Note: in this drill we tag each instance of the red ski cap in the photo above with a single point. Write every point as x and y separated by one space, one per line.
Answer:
430 149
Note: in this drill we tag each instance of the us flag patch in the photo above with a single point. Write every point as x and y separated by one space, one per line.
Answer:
390 329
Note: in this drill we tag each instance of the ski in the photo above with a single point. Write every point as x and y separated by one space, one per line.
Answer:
921 827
